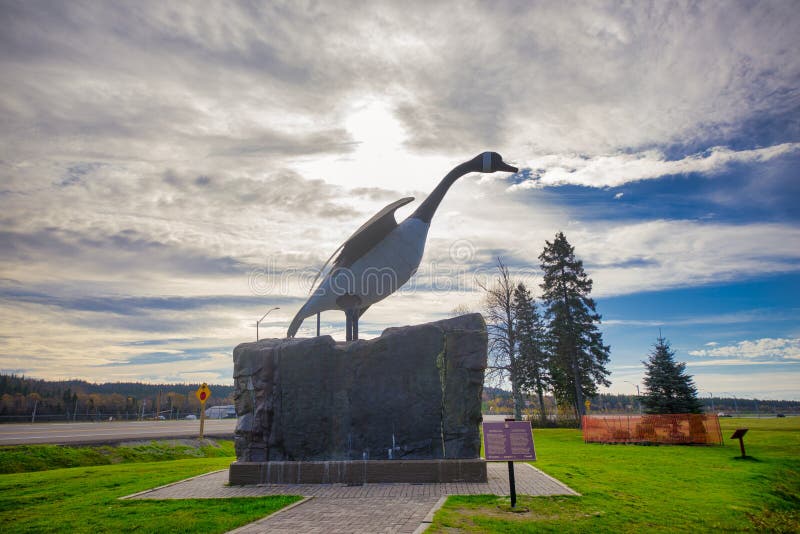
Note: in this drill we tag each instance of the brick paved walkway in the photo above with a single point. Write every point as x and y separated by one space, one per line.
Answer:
372 508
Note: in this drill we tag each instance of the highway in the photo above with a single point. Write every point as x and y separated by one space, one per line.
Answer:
111 432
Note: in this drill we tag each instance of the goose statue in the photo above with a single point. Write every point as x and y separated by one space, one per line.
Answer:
382 255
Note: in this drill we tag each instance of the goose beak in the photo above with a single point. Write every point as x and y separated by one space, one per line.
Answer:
503 166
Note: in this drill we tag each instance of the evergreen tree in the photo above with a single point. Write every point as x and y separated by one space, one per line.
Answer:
668 389
532 360
575 344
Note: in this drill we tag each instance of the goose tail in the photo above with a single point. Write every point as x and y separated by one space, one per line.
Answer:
301 315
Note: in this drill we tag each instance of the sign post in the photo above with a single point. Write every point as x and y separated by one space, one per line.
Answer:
202 393
739 434
509 441
512 484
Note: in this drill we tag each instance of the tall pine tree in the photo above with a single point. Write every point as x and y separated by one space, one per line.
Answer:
532 359
575 344
668 389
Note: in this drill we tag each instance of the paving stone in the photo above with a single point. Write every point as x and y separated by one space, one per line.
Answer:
370 508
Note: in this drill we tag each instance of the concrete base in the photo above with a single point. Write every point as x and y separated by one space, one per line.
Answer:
358 472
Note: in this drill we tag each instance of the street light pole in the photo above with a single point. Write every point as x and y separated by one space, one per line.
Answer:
735 403
638 395
262 318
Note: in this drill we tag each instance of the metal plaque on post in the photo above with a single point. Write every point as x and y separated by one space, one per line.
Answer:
509 441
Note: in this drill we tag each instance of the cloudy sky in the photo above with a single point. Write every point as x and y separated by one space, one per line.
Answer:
171 171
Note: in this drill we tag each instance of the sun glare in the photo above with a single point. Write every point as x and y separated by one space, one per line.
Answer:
377 132
380 157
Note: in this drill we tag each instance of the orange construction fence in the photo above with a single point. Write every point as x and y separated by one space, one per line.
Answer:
665 428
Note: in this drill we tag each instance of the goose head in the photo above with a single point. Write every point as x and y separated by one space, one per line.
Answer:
486 162
489 162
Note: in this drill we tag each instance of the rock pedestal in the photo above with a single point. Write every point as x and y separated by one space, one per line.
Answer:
414 393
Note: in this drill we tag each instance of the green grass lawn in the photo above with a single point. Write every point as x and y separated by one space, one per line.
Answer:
26 458
86 499
632 488
625 488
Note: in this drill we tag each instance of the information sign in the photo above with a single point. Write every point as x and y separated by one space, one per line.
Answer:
508 441
739 434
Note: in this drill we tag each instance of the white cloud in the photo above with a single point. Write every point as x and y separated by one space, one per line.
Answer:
591 79
619 169
772 349
760 382
598 77
648 256
234 136
745 316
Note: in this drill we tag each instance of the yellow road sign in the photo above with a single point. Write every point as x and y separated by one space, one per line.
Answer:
203 393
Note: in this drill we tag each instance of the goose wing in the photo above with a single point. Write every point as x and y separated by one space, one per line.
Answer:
369 234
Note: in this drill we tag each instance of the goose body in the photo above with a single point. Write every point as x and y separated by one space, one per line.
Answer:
381 256
372 277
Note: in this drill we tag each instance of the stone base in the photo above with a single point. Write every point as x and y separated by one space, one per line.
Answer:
414 393
358 472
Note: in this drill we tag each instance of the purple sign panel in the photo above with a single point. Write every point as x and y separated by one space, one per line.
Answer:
508 441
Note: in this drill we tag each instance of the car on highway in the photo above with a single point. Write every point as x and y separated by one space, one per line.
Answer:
191 417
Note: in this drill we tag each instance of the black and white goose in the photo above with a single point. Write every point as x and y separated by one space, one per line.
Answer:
382 255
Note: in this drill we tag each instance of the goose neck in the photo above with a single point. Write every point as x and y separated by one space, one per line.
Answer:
428 207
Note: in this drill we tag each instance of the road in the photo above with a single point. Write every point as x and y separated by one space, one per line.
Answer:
111 432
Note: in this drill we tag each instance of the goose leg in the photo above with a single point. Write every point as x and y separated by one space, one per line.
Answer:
348 325
355 323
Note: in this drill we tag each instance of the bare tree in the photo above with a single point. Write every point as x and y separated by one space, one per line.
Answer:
461 309
500 320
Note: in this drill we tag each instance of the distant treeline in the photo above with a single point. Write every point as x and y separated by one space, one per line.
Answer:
27 399
499 401
23 398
